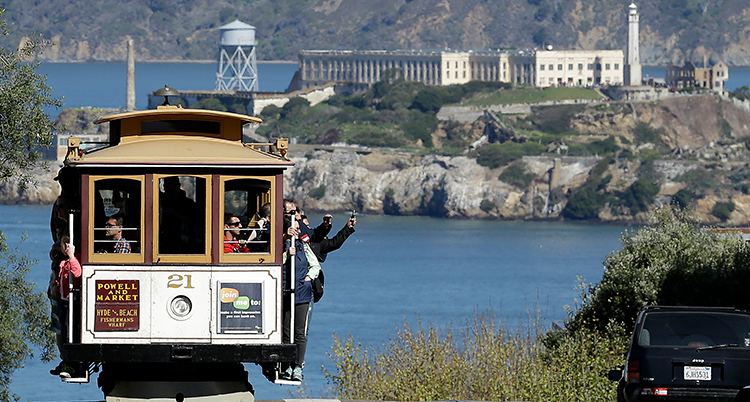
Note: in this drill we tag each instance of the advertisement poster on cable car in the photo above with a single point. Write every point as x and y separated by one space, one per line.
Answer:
241 309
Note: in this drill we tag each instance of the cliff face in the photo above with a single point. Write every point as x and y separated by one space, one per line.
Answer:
701 139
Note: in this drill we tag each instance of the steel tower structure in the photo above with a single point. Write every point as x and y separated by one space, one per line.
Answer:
238 69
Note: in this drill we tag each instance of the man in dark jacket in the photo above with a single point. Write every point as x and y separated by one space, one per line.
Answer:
322 246
326 245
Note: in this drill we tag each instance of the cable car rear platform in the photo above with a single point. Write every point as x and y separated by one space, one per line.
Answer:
171 353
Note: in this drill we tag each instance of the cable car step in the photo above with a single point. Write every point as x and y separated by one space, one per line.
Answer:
287 382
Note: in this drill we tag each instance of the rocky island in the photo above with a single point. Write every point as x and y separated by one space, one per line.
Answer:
690 149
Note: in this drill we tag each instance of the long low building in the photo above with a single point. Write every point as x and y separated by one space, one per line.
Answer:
445 67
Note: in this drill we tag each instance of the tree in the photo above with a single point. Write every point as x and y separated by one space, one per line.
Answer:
664 263
430 99
24 126
24 129
640 195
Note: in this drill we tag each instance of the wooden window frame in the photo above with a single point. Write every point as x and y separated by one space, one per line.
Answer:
134 258
247 258
182 258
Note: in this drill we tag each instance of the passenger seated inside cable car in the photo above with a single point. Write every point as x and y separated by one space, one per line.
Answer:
117 216
247 216
182 215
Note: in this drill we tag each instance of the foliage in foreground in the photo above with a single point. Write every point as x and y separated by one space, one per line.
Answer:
485 361
673 261
663 263
23 316
24 127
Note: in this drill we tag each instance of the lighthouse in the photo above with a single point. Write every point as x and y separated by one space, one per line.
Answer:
633 64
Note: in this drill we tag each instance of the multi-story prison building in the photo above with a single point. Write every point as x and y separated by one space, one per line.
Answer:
445 67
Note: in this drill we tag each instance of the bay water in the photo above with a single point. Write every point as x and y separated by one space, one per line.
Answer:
390 270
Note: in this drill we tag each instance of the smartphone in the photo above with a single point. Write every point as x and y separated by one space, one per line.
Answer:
354 213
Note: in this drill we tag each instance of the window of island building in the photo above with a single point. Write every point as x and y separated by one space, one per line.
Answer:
115 219
617 66
541 67
181 218
248 219
559 67
580 66
570 66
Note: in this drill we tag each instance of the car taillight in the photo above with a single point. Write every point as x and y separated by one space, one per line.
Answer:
634 371
655 391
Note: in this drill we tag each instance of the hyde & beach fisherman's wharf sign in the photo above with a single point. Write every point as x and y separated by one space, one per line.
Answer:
117 305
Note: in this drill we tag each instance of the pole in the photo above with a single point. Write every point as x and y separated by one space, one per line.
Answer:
130 90
292 282
70 285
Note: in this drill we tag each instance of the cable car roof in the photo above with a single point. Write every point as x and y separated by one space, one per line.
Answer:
177 112
173 136
172 150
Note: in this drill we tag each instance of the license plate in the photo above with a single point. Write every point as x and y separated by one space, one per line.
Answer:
701 373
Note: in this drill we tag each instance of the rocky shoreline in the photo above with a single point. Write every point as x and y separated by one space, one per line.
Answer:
385 182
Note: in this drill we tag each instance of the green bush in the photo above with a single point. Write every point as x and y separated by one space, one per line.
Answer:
420 127
742 93
723 210
270 112
484 361
554 119
210 104
584 204
698 179
517 175
318 192
294 106
643 133
496 155
683 198
664 263
640 195
607 146
430 99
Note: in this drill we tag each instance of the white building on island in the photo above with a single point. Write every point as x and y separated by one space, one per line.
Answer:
578 68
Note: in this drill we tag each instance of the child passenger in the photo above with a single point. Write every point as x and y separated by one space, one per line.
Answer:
59 294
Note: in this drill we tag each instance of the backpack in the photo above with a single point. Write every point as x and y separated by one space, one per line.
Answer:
317 286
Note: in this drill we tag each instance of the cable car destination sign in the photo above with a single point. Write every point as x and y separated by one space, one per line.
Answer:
117 305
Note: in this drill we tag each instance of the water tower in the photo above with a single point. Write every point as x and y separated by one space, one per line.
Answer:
238 69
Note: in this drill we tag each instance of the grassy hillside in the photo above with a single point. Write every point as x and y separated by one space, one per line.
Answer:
530 95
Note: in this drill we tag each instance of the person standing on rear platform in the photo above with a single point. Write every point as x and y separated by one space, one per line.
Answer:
306 268
70 270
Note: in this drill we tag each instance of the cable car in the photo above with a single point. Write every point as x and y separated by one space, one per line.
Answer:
169 305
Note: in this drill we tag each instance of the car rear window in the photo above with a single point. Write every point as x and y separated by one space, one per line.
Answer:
694 329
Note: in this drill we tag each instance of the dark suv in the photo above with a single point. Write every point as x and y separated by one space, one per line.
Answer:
686 354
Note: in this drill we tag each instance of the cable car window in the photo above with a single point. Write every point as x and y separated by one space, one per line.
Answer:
117 216
181 126
247 216
182 215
